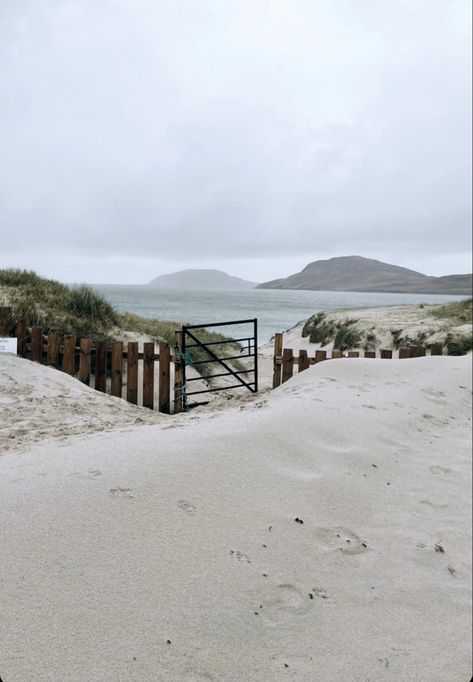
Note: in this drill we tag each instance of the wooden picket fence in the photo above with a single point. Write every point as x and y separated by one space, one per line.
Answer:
284 359
114 370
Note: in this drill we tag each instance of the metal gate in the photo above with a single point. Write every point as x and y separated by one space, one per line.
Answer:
196 352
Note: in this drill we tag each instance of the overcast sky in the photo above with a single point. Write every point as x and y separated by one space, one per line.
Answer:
140 137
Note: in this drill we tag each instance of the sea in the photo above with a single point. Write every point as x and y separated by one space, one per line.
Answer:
275 309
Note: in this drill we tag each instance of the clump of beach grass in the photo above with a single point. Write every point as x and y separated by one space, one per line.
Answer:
343 333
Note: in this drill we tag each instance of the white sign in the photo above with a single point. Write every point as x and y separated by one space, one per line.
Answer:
8 345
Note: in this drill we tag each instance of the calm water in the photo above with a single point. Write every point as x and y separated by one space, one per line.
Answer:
276 310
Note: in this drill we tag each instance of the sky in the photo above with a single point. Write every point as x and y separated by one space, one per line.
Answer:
142 137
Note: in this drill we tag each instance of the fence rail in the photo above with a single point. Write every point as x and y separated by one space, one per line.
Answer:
116 370
284 359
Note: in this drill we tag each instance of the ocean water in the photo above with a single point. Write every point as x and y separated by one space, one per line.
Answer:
275 309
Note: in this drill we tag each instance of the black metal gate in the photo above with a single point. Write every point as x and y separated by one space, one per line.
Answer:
202 353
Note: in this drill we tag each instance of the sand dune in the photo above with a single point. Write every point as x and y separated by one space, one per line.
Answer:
320 532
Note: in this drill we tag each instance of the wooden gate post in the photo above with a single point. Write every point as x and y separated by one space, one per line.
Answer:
178 377
101 367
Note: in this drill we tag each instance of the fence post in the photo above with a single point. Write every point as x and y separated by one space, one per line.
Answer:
178 377
287 364
148 374
85 360
277 359
436 349
164 378
21 332
303 360
53 349
132 373
404 353
69 358
386 354
37 344
117 359
320 355
101 367
421 351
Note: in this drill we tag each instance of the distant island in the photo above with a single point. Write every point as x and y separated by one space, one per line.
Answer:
200 279
355 273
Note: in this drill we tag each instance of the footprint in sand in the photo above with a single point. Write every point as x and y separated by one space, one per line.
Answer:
187 507
341 540
437 469
434 505
121 492
283 602
240 556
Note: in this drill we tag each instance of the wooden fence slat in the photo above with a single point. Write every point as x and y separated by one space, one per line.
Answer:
353 354
85 360
287 364
148 375
101 367
178 377
303 360
117 371
37 344
132 373
386 354
370 353
436 349
164 378
21 332
53 349
320 355
421 351
404 353
278 340
336 354
69 357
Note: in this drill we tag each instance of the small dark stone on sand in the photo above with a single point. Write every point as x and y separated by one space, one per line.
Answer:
375 466
265 545
311 596
286 665
168 641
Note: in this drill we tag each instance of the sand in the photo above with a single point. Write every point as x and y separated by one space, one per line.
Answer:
170 549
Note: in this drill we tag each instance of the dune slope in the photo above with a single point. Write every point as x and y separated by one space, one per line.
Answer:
319 533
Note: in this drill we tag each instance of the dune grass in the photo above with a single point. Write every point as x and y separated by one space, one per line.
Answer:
458 312
83 312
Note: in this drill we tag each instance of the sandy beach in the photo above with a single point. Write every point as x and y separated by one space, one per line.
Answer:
318 532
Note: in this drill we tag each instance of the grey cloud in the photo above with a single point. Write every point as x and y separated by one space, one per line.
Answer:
212 130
